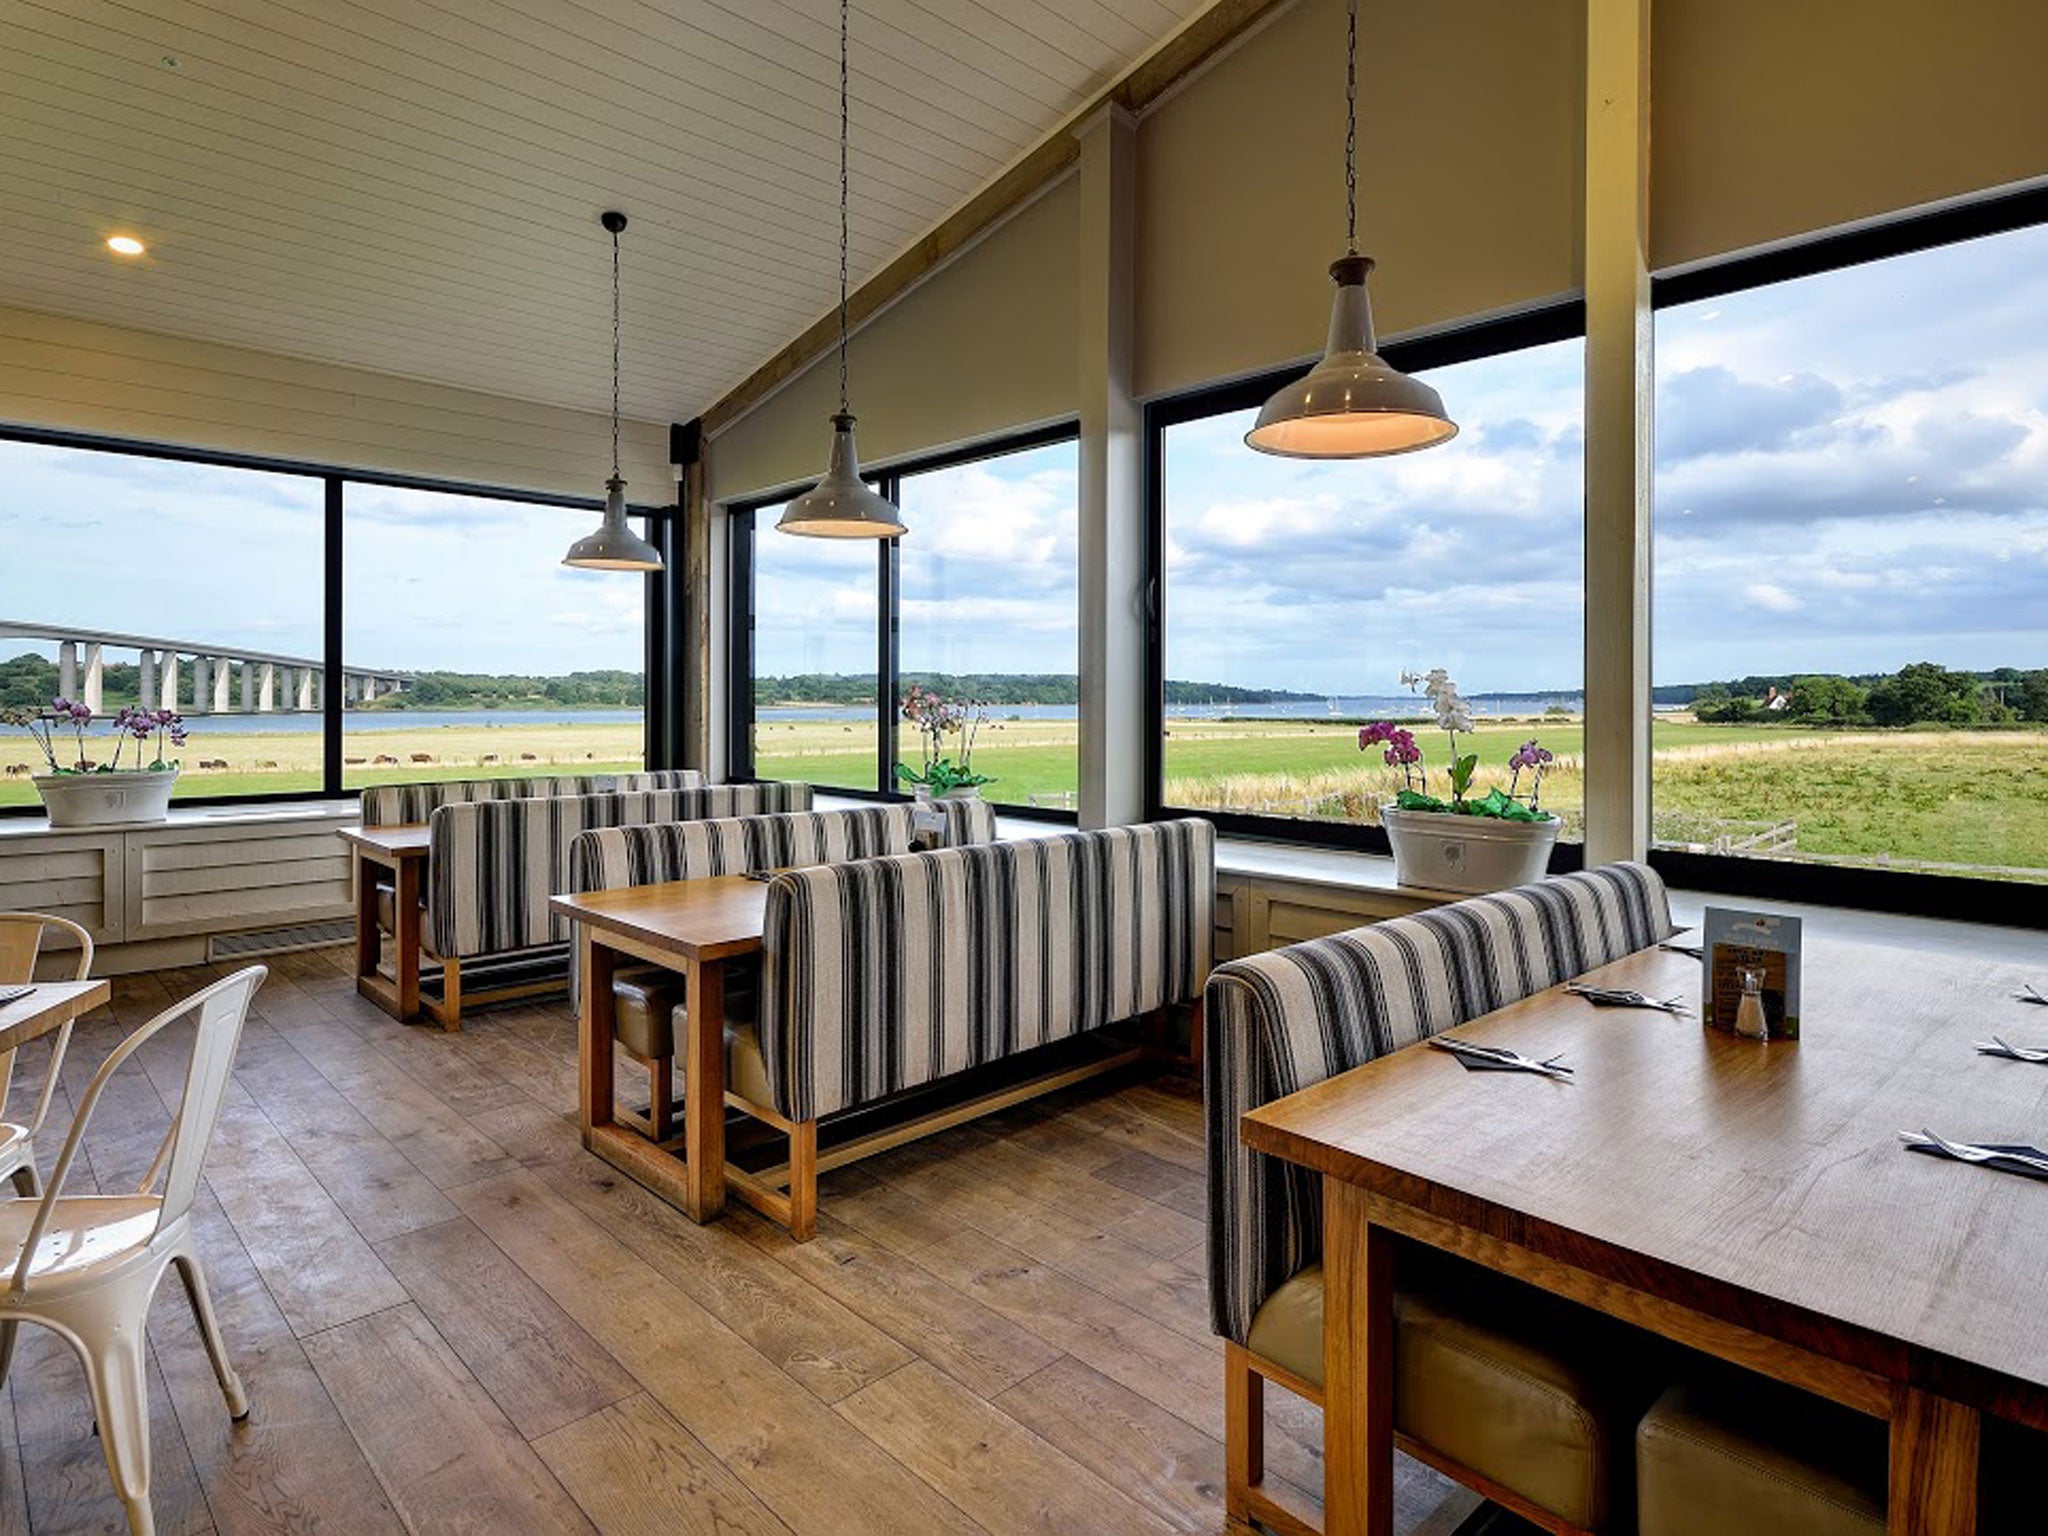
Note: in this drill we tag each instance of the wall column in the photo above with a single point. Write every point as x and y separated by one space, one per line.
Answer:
1619 399
67 669
95 678
1114 716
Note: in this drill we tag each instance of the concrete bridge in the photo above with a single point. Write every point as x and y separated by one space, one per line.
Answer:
270 682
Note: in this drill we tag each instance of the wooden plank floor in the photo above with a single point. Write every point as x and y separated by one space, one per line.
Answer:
449 1316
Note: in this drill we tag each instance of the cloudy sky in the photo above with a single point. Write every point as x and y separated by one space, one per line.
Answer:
185 551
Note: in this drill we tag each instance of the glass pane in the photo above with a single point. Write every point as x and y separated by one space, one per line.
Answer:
200 587
1852 565
1298 592
473 652
989 610
815 612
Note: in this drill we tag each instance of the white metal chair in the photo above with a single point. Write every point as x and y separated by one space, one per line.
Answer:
21 940
86 1267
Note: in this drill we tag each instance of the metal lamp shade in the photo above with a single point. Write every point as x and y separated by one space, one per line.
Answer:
1351 405
841 506
614 547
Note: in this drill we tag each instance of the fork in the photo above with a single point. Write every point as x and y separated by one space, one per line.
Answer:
1963 1152
1621 997
1550 1066
1998 1047
2029 993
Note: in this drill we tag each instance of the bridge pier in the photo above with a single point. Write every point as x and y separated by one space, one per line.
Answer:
248 687
167 691
67 669
266 689
202 684
95 678
306 681
223 671
145 685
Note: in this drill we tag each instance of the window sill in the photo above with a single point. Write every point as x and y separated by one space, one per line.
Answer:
342 810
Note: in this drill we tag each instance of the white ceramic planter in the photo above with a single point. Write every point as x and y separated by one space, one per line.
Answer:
1442 852
106 799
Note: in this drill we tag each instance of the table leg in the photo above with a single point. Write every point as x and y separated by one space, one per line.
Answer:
369 943
595 963
406 925
1934 1454
704 1088
1358 1367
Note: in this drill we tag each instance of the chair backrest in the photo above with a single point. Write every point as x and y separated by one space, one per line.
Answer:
406 805
493 864
1285 1020
222 1008
21 943
883 974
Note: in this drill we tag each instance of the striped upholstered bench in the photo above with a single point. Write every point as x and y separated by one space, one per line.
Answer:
887 975
409 805
1492 1392
493 864
648 1002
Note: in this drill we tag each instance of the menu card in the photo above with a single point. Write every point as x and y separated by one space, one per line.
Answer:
1739 945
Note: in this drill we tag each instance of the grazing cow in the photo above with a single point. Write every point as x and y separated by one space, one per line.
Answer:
423 757
354 762
264 762
384 759
17 770
490 757
528 757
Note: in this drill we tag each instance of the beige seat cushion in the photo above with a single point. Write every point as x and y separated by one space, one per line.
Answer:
1530 1416
387 910
1756 1459
648 1010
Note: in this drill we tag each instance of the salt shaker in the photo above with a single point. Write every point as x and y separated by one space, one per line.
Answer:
1750 1021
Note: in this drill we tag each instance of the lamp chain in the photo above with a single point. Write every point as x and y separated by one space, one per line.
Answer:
615 354
843 122
1351 131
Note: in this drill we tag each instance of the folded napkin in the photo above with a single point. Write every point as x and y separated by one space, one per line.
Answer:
2003 1165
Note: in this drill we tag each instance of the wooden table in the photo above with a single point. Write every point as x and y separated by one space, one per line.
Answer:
51 1006
403 851
696 928
1751 1201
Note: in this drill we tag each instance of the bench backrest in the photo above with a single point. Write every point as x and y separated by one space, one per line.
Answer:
1283 1021
885 974
493 864
406 805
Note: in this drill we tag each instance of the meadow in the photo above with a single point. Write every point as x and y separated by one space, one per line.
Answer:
1975 800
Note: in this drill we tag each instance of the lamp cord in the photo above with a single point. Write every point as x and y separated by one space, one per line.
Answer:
843 240
615 354
1351 130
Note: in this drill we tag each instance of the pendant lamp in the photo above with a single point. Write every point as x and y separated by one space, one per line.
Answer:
1351 405
615 546
842 506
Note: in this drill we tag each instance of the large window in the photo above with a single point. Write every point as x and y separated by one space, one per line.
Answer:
989 611
816 697
318 631
126 579
978 602
472 651
1297 593
1852 565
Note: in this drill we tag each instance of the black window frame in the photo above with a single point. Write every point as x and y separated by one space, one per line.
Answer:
1961 898
1541 325
742 528
663 526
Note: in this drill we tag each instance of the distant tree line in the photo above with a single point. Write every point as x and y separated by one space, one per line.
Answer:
1922 693
992 687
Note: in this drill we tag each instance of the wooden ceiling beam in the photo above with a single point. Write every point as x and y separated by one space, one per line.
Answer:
1138 88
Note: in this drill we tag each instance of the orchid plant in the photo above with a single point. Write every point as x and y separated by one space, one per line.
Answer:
937 718
1453 715
131 723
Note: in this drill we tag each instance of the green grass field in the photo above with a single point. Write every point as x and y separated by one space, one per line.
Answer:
1975 800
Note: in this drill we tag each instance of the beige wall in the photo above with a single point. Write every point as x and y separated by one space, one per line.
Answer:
84 377
1775 118
985 345
1469 135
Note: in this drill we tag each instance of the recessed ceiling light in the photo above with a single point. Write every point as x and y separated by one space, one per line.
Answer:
125 245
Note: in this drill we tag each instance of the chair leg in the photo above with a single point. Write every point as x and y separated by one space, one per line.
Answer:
1244 1436
111 1347
209 1334
7 1334
661 1097
803 1181
27 1182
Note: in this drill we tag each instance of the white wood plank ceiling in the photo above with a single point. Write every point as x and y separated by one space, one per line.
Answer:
413 185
